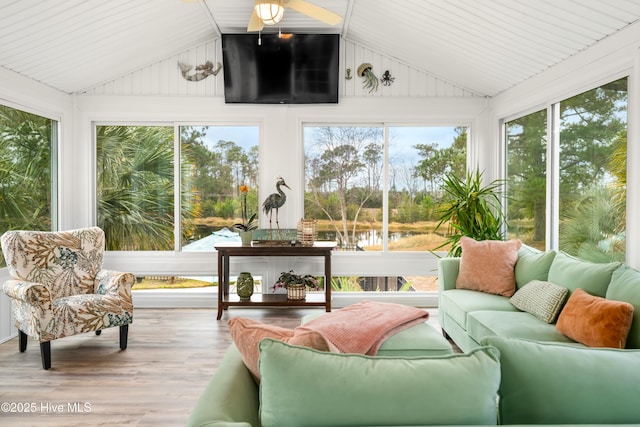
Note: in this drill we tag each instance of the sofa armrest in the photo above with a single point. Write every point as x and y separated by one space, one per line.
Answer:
35 294
448 269
231 397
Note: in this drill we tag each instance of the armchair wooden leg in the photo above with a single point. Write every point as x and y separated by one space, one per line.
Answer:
22 341
124 332
45 354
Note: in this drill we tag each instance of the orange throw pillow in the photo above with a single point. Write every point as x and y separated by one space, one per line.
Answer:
247 334
488 266
595 321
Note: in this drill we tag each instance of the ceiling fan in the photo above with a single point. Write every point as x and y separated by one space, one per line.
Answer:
270 12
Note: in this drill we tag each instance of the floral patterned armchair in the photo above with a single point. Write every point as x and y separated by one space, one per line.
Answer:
58 287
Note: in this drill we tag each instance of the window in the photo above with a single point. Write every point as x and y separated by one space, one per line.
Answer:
526 139
27 171
377 188
136 189
135 193
343 171
216 161
345 184
593 152
135 167
589 183
419 158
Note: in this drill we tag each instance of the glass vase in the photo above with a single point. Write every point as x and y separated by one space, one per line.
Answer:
244 285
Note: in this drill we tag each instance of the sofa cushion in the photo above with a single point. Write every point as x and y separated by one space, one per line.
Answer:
247 334
533 266
418 340
487 266
304 387
625 286
481 324
548 383
458 303
542 299
595 321
573 273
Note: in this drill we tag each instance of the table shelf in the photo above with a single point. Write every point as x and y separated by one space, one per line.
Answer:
275 300
313 299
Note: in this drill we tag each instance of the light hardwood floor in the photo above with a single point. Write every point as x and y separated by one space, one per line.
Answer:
156 381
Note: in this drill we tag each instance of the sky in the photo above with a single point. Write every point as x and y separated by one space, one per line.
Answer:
244 136
403 138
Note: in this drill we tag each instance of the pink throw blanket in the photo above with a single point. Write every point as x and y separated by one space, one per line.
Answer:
363 327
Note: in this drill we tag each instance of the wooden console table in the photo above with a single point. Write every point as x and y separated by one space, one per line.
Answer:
225 300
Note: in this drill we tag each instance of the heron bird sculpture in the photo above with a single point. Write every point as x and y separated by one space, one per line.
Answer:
275 201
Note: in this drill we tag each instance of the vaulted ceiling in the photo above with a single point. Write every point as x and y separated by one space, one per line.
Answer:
485 46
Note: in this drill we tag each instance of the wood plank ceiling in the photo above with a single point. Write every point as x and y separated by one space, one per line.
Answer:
485 46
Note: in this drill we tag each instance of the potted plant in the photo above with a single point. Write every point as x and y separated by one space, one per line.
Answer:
472 210
249 223
296 284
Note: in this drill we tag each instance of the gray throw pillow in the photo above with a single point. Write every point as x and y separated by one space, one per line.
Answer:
541 299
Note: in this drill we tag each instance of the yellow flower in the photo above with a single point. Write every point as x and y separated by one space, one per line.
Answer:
244 189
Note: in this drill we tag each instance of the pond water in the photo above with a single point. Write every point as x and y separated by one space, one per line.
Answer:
367 238
208 237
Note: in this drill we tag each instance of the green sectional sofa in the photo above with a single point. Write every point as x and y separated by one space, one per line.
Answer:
516 369
507 381
468 316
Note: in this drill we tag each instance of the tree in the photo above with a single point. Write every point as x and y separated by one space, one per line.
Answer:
590 123
526 170
430 167
618 168
135 187
437 163
347 161
25 170
218 170
591 230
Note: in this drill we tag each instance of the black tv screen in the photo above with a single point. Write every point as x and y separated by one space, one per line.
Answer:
287 69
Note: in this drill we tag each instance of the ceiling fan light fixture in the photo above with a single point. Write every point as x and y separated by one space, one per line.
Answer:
270 11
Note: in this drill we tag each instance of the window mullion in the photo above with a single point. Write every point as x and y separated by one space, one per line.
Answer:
177 186
553 176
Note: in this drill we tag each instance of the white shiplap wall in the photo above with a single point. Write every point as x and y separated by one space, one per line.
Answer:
164 78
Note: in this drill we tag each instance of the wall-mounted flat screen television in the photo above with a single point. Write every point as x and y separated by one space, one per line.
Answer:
281 69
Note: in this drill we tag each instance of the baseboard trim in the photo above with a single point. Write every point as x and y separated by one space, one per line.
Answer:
208 298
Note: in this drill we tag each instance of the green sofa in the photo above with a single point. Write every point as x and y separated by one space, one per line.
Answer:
515 370
506 381
468 316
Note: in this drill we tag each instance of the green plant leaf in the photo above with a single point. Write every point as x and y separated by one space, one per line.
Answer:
472 210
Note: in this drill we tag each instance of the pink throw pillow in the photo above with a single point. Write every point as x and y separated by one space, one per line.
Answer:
488 266
247 334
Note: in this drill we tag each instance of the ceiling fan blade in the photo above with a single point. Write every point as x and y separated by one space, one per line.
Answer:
255 23
316 12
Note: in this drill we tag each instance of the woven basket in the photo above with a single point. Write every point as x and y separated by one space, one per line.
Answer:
296 292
